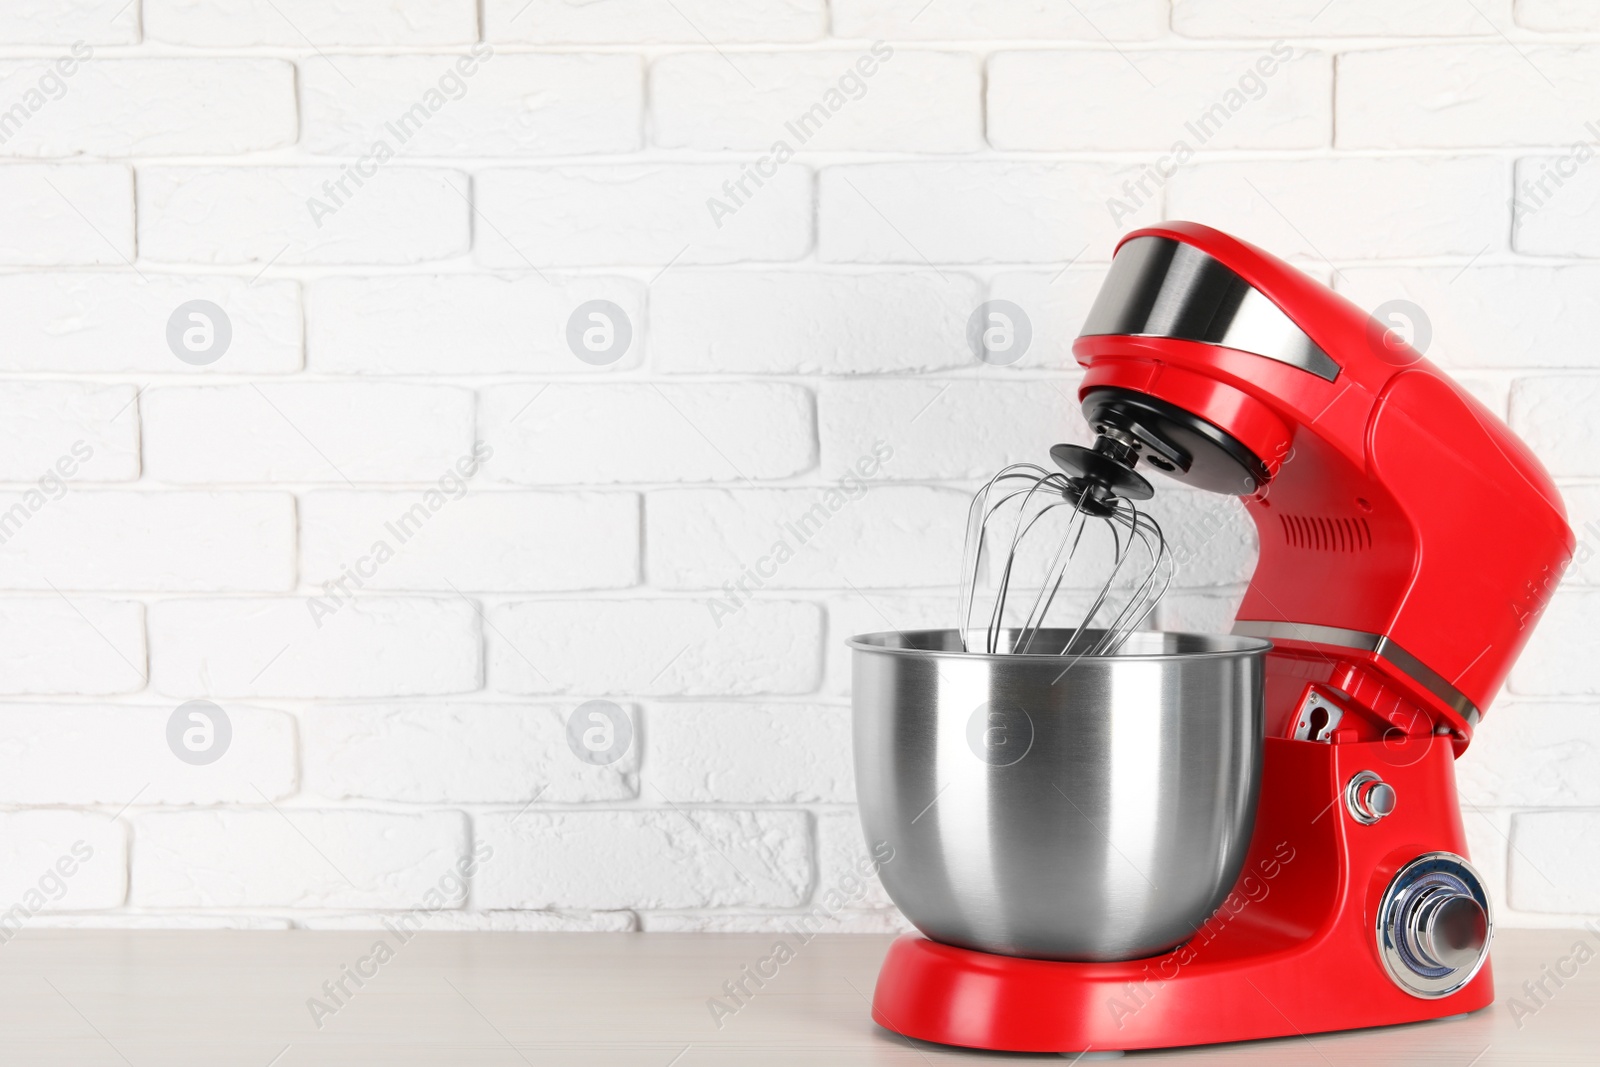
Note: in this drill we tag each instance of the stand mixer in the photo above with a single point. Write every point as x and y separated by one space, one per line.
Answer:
1299 796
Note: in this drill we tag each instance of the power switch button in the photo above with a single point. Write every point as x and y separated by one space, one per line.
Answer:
1369 798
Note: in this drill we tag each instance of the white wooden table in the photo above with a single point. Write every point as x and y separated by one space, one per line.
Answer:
223 998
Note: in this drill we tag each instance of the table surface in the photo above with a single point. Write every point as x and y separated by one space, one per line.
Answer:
220 998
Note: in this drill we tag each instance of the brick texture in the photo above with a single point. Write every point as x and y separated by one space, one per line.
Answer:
440 387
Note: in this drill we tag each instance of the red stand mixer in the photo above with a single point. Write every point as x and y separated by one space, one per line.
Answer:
1408 543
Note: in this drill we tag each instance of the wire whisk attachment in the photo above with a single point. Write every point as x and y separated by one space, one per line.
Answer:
1025 505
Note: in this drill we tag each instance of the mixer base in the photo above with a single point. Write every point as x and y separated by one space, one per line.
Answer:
1292 951
955 996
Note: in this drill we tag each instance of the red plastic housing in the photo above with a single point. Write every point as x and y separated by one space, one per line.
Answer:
1292 950
1398 508
1399 505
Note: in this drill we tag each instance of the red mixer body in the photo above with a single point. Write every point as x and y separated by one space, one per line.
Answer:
1408 543
1398 506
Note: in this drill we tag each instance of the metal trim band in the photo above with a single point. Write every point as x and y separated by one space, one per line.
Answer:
1159 287
1378 645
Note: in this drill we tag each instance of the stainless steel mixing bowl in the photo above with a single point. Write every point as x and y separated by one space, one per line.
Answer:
1088 809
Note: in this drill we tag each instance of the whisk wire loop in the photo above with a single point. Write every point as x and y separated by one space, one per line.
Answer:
1015 508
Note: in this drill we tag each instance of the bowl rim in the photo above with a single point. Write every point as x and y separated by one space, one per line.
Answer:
1242 645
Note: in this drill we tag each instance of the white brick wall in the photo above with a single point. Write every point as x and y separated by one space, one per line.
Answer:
321 22
323 432
1089 20
264 215
411 521
86 853
563 434
76 215
83 322
1557 15
1348 207
884 535
83 645
886 100
94 21
1048 100
975 212
788 322
319 646
458 753
1313 18
1474 100
644 22
1544 316
285 857
516 541
751 753
155 107
948 429
101 754
673 647
442 324
45 421
1556 207
498 105
641 213
667 858
115 539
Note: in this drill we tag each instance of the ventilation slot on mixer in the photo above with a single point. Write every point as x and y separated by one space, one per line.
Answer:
1326 535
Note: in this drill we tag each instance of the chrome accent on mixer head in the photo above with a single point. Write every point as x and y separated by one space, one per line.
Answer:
1434 925
1033 502
1378 644
1159 287
1098 813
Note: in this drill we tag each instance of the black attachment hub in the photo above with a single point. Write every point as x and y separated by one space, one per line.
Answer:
1098 476
1181 445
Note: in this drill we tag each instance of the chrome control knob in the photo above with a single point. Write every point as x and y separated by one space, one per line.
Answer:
1434 925
1369 798
1446 928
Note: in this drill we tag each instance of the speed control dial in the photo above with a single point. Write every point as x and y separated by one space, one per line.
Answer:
1434 925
